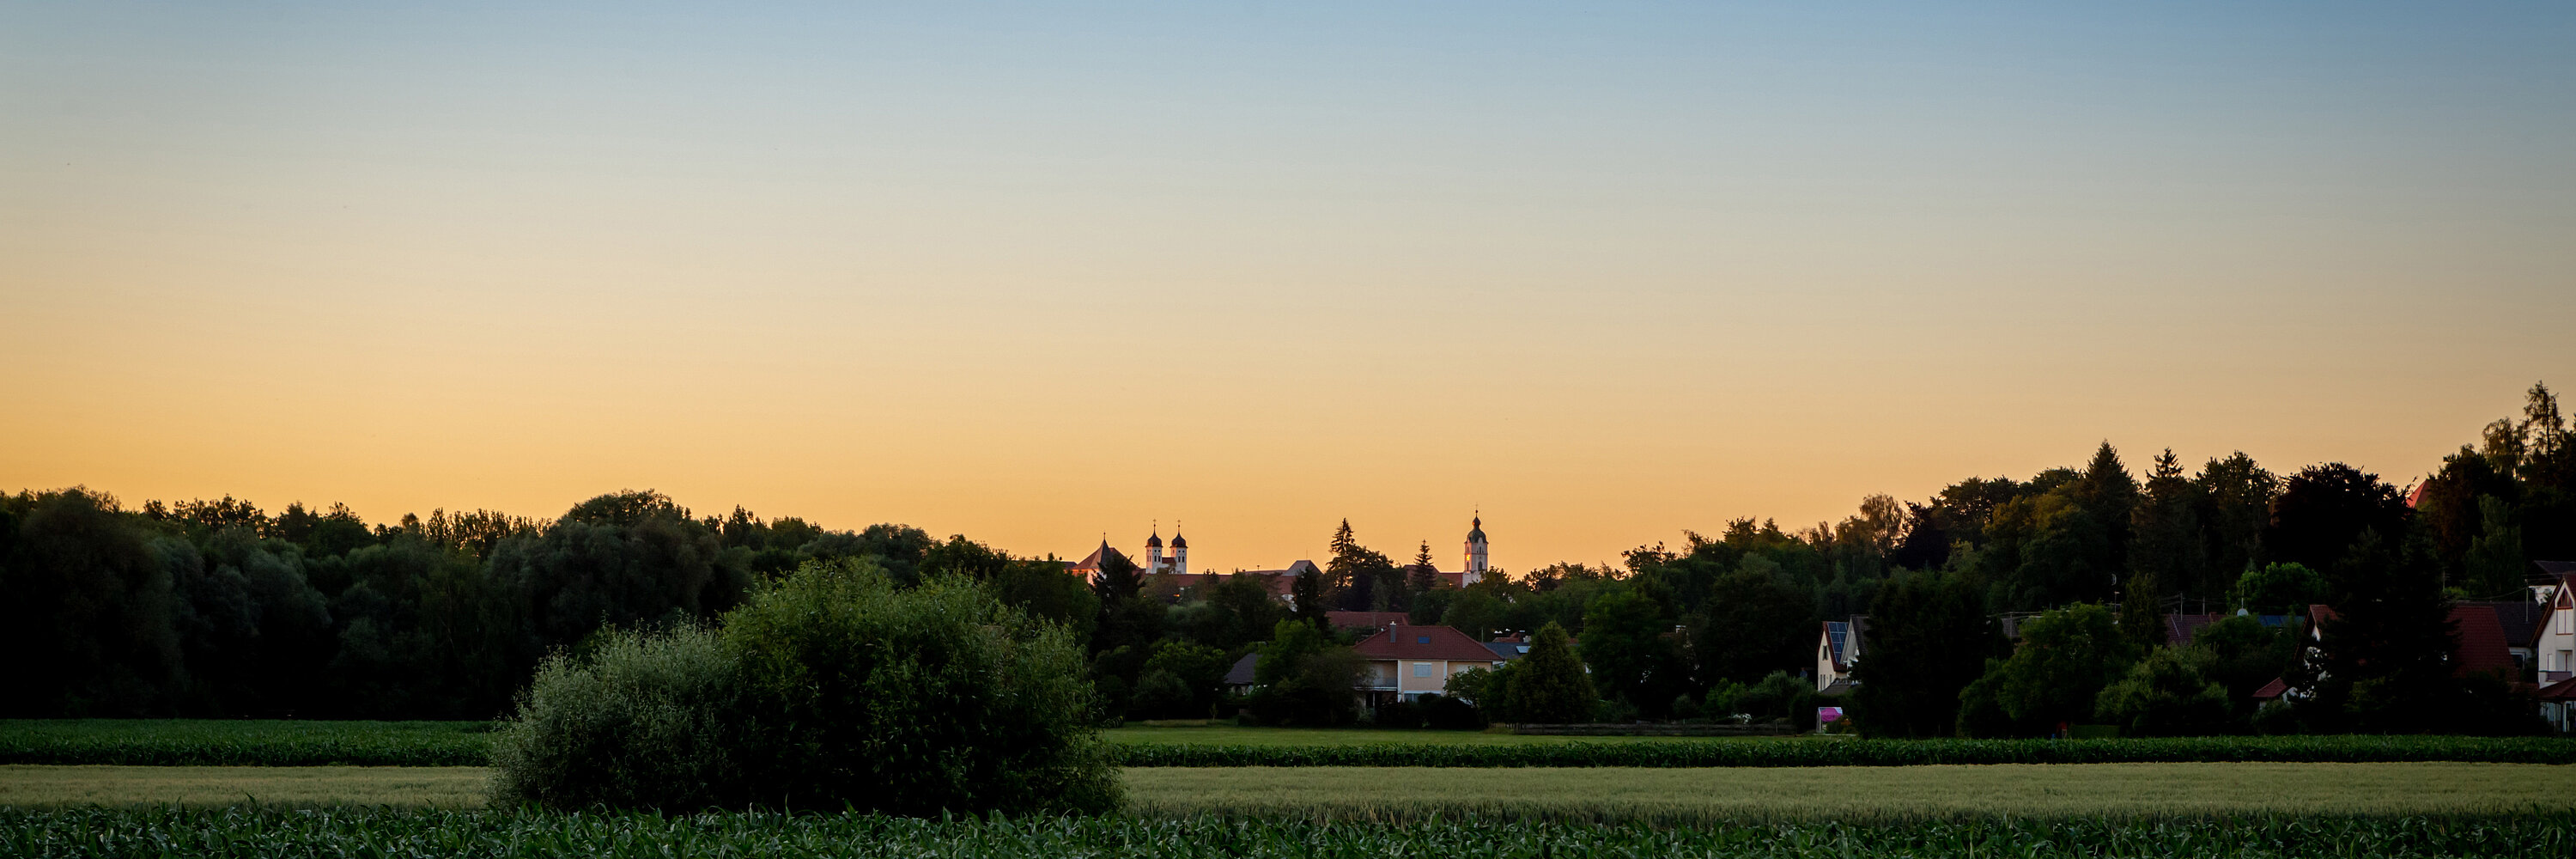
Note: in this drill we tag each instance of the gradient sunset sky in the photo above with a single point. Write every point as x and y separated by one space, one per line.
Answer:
1033 274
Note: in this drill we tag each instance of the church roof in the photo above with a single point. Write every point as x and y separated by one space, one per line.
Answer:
1179 542
1098 556
1476 530
1155 541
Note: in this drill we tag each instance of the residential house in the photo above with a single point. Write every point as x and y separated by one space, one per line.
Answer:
1407 662
1836 652
2521 622
2480 646
1238 679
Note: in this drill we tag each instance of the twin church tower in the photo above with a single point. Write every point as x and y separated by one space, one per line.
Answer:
1176 561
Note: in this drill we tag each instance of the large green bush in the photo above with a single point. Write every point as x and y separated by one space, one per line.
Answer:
645 720
834 688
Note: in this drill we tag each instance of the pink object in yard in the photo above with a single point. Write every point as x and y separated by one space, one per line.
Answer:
1828 715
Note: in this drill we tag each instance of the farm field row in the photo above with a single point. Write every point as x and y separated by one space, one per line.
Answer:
1231 735
1600 794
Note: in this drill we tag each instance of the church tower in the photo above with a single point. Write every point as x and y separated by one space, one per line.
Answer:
1180 553
1475 571
1154 560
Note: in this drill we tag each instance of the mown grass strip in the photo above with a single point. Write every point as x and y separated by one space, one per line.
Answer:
1714 795
1667 796
302 743
1870 753
256 832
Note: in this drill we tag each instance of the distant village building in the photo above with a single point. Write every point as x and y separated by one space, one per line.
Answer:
1167 573
1476 565
1156 562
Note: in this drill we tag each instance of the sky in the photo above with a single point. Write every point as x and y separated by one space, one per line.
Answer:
1040 274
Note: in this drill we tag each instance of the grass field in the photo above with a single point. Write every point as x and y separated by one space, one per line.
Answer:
315 743
1603 794
1852 794
199 787
1230 735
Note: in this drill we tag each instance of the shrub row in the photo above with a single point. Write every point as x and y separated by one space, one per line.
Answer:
248 832
1871 753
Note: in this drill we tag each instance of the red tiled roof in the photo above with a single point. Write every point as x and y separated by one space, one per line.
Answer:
1423 642
2271 690
1365 619
2180 628
2560 691
2482 646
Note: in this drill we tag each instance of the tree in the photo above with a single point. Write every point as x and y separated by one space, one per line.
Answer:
2064 660
2109 496
1421 576
1548 685
1626 641
1478 612
1127 618
2169 693
2167 552
1307 591
2053 548
1194 670
2452 508
2494 562
2324 508
2246 655
88 609
2383 663
1928 637
1236 611
2280 589
2239 496
254 632
625 559
1751 626
1304 679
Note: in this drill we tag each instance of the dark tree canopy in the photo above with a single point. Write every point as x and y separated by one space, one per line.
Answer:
2323 509
1928 638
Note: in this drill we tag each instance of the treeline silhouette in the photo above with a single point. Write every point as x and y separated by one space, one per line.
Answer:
219 608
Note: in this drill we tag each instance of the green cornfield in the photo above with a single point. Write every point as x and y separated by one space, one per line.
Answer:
244 742
258 832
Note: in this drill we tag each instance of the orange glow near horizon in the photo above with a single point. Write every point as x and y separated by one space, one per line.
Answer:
1605 280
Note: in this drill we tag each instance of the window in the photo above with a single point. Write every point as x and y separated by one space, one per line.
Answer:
1421 669
1422 639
